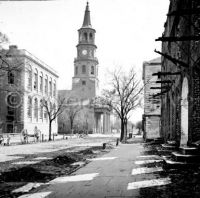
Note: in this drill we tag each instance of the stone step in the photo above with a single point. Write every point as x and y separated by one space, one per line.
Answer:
166 157
169 147
196 144
172 142
179 157
186 150
154 141
158 140
171 164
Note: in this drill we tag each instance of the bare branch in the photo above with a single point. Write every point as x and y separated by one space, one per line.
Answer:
124 95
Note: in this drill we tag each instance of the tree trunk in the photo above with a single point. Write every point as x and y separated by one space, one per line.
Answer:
72 127
122 130
125 131
50 130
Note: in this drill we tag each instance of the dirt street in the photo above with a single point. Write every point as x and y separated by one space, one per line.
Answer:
42 162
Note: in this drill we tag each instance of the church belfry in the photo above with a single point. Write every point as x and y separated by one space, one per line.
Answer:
85 80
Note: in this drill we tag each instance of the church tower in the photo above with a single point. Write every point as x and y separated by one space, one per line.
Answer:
85 80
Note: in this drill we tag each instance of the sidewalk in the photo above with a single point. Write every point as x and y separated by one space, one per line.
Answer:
129 170
116 174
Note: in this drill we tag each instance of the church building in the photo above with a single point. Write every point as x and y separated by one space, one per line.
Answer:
94 116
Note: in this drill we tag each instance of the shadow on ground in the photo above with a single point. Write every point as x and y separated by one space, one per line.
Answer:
44 171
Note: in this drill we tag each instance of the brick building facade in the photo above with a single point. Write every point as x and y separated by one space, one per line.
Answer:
151 116
180 73
25 81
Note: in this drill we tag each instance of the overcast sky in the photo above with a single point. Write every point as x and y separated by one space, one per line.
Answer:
125 31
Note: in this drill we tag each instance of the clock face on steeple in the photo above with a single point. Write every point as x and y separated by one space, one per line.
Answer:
84 52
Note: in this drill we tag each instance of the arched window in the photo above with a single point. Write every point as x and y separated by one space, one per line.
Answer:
50 87
83 69
92 69
85 36
46 85
91 36
54 89
29 107
36 109
11 77
51 108
83 82
35 80
76 70
41 109
54 109
29 77
45 113
41 82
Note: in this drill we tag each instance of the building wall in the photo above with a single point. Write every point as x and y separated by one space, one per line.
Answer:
187 52
39 93
152 105
152 127
83 120
11 115
31 86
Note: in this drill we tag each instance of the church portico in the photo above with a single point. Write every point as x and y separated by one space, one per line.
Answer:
102 120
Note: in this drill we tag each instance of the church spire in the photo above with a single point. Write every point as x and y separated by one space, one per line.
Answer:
86 21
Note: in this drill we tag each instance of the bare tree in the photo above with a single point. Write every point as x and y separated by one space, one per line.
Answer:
11 66
123 96
53 111
72 110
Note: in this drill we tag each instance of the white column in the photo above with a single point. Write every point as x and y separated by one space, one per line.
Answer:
108 117
104 123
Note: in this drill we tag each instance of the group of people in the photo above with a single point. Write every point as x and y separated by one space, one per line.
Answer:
25 135
5 139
